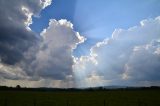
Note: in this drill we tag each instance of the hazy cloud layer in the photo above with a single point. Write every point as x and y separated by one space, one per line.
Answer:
128 58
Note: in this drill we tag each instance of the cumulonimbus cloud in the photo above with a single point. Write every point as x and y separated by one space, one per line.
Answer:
54 57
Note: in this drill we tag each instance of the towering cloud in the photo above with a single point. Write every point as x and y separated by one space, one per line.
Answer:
54 58
130 57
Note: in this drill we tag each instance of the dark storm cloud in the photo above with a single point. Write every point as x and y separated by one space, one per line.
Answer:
15 37
13 42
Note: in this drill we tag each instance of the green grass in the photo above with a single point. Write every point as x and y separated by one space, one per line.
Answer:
80 98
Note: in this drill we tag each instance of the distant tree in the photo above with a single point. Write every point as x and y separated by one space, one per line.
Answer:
18 86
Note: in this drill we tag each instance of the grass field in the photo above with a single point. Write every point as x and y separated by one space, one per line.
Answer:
80 98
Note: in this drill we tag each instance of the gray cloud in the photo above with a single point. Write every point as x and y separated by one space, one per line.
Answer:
144 63
15 35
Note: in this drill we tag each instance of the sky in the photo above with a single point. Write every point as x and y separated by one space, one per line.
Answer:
79 43
97 19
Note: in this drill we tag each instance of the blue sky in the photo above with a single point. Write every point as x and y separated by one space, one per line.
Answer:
122 46
97 19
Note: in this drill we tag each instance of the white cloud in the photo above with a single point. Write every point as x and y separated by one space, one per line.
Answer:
144 63
54 58
45 3
119 59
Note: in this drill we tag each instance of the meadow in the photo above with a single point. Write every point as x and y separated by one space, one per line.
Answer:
81 98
